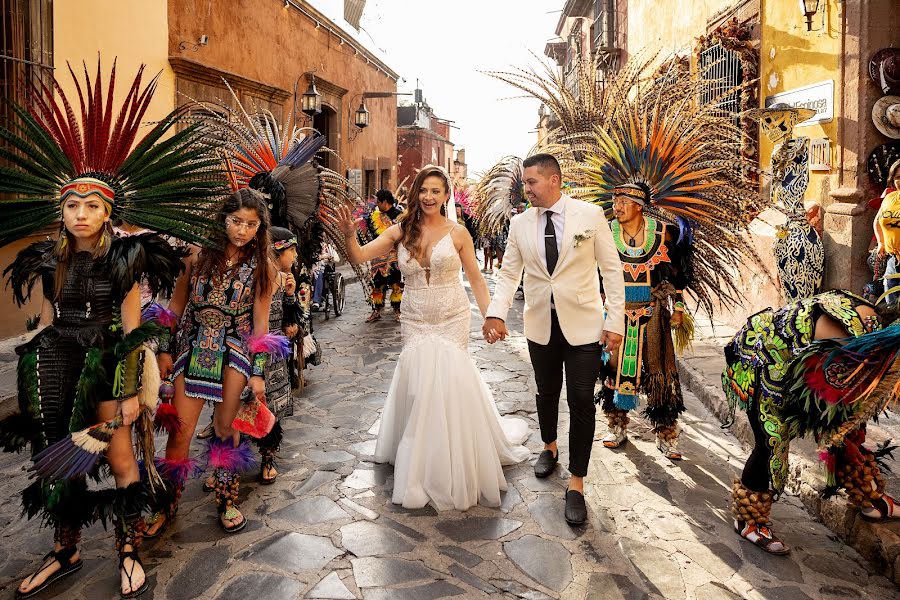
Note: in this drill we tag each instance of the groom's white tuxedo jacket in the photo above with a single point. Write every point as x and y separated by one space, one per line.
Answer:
574 285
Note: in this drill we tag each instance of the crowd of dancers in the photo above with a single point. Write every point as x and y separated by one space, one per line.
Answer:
187 256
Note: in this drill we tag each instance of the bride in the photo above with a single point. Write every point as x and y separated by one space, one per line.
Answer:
440 427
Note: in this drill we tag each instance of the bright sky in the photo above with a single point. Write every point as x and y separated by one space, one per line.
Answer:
446 43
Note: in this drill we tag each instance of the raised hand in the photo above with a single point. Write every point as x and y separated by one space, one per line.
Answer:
343 219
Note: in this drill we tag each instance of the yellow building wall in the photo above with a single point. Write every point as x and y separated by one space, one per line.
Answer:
667 27
134 32
792 57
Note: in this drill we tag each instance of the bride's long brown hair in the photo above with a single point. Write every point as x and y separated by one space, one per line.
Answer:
411 220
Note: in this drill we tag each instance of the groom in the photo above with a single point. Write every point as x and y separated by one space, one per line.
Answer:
559 244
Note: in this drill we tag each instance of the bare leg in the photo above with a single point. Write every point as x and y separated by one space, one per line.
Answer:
124 467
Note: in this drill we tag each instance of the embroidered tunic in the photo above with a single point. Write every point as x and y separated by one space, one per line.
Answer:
214 330
646 268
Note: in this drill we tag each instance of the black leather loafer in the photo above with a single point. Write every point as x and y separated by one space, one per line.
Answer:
576 509
545 464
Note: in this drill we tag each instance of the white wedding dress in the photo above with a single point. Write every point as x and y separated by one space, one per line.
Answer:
440 427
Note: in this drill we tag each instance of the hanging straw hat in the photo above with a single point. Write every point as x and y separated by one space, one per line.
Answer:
886 116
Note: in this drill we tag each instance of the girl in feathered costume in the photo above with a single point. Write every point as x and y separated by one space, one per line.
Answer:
221 345
821 365
89 368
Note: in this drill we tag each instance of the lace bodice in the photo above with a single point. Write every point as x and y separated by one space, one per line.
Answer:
444 268
435 302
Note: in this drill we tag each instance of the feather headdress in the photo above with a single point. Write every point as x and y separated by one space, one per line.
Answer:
497 192
278 159
642 132
682 161
165 181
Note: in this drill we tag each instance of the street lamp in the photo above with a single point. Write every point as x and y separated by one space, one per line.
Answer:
361 116
809 8
311 101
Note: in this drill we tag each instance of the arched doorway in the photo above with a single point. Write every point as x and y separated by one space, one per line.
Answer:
326 123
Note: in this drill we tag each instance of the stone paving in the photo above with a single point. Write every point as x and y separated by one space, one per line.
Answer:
327 527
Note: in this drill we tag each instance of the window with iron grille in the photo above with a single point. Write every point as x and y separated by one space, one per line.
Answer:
723 68
26 55
603 30
573 57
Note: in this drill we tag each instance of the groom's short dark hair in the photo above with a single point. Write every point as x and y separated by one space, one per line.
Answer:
544 162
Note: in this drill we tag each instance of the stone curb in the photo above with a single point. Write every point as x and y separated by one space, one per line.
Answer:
875 541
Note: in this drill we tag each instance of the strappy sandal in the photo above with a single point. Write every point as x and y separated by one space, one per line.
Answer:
66 567
134 593
761 536
227 485
397 315
152 520
375 316
267 463
206 432
207 487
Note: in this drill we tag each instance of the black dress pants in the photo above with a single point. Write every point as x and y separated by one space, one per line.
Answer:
582 367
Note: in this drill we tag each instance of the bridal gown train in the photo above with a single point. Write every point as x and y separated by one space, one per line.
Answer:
440 427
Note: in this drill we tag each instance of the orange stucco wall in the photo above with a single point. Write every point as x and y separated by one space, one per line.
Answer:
273 45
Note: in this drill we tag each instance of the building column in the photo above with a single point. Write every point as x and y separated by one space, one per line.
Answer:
867 26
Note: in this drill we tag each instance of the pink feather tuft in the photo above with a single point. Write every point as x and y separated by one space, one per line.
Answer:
275 344
160 315
222 454
177 470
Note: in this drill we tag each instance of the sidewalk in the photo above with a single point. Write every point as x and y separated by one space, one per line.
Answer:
701 371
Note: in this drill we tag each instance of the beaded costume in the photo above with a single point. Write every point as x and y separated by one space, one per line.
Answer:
214 330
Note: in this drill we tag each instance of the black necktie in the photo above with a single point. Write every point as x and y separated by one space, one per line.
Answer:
550 243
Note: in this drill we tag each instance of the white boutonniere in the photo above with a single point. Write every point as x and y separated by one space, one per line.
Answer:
583 236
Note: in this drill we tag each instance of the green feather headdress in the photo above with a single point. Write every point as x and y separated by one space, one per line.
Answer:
167 181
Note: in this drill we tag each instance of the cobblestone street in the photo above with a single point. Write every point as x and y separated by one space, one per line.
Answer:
327 527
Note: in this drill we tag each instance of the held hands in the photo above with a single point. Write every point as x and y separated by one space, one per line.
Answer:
342 218
611 340
494 330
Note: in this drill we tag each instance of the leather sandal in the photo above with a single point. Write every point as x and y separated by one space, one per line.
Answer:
152 520
267 463
134 593
762 536
882 508
375 316
231 514
66 567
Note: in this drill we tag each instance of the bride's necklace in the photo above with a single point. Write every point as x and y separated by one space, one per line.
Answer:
632 239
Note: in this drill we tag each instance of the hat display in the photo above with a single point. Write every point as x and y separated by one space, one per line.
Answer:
886 116
880 161
884 70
